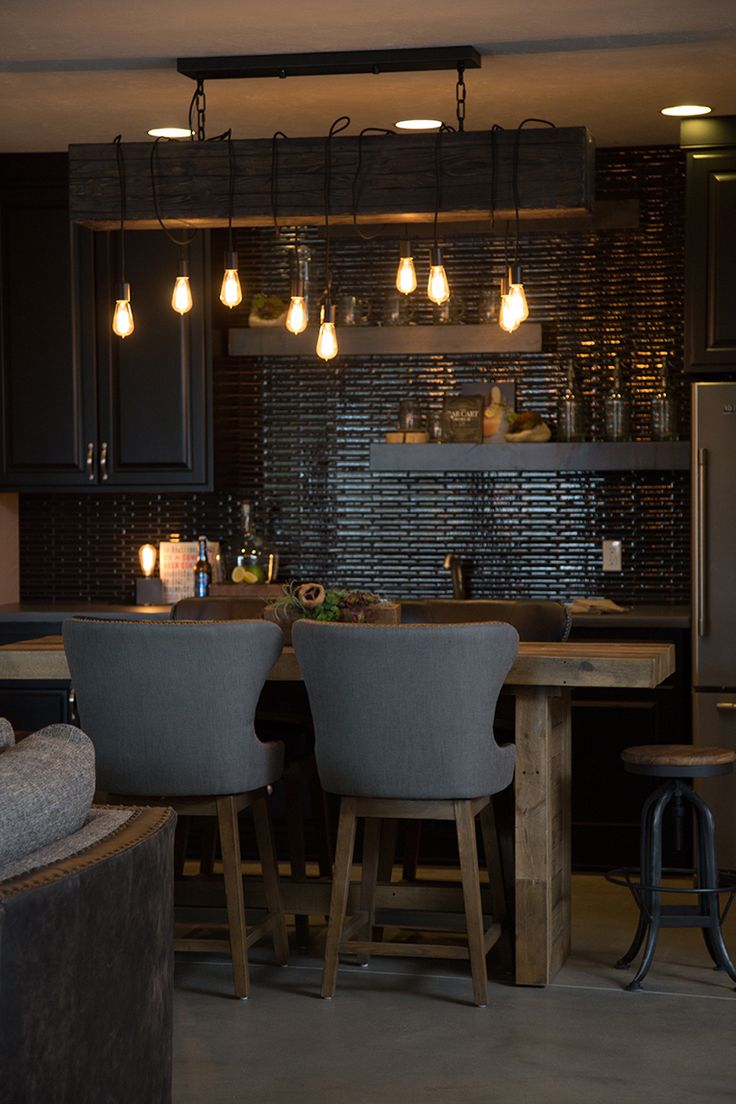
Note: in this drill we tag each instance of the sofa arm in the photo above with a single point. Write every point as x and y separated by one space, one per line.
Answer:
86 971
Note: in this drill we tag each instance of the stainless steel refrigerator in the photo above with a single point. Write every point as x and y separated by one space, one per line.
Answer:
714 595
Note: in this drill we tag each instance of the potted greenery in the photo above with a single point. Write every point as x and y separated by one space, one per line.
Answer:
267 310
318 603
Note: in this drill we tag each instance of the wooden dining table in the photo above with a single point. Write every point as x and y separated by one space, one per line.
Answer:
541 679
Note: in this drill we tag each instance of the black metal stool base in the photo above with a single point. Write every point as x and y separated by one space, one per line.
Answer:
647 892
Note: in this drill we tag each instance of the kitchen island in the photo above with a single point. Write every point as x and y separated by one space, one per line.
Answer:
541 678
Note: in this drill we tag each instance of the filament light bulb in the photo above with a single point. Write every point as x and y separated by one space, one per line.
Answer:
231 293
147 559
514 310
406 276
438 289
122 318
327 338
296 316
181 300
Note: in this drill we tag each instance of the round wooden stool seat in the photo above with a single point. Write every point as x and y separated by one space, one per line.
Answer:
678 760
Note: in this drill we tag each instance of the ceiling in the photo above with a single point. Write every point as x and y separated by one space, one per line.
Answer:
75 72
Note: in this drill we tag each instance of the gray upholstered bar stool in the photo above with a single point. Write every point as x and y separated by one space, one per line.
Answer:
403 720
169 706
675 764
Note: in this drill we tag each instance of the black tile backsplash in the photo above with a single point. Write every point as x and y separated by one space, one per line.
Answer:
293 434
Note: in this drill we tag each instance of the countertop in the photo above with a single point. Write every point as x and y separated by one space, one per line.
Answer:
636 617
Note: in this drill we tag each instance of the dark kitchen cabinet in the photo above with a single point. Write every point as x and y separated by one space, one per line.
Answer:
710 318
81 408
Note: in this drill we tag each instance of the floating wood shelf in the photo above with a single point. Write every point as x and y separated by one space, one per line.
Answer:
388 340
555 456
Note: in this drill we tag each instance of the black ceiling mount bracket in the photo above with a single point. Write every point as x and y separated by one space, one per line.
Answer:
323 64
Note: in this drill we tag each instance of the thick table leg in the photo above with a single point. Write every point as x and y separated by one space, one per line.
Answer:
542 832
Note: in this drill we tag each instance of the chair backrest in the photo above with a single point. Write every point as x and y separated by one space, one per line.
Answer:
219 609
407 710
541 620
169 705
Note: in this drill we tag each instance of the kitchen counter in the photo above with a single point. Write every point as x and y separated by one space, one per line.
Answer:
58 611
636 617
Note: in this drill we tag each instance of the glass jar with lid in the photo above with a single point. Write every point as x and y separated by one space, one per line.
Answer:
256 561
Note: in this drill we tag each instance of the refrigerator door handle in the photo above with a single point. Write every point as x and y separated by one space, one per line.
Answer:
726 707
700 544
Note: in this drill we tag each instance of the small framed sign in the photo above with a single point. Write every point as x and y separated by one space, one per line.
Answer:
462 419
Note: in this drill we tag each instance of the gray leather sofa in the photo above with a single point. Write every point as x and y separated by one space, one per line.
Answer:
86 959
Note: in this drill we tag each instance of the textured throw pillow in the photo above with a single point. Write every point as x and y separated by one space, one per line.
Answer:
7 736
46 787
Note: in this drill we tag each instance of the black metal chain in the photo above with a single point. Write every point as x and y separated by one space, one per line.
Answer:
198 106
460 96
118 143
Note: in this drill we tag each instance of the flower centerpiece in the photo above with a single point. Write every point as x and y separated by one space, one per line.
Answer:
319 603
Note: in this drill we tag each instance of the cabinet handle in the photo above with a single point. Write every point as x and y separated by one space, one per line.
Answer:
726 707
103 461
700 546
90 461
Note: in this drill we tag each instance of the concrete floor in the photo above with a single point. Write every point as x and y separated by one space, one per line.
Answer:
403 1031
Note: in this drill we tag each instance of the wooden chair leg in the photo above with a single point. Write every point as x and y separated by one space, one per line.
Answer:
294 801
492 856
227 820
468 851
412 839
389 833
369 876
339 895
270 873
322 826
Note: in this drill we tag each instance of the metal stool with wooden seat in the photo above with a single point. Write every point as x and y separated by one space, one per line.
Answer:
676 763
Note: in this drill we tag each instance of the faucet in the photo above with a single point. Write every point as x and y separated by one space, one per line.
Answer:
453 565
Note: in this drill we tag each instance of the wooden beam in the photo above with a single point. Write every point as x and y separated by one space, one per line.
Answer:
396 182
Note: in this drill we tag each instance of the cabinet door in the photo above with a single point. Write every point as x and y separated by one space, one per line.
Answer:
154 402
48 409
710 317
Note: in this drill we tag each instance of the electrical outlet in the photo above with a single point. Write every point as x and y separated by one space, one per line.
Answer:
612 555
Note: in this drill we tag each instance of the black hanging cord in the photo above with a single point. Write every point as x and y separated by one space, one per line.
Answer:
231 188
438 175
494 173
275 176
181 242
339 125
117 142
356 178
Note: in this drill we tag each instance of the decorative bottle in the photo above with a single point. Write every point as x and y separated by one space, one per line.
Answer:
255 562
570 411
202 571
617 409
663 410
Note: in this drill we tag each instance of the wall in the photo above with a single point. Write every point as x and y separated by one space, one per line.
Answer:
294 434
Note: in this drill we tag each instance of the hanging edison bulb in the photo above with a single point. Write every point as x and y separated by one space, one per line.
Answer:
516 293
438 288
231 293
296 316
327 339
406 277
122 318
181 300
508 318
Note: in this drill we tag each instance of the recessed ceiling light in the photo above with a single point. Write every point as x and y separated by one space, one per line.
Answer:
418 124
170 132
686 109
